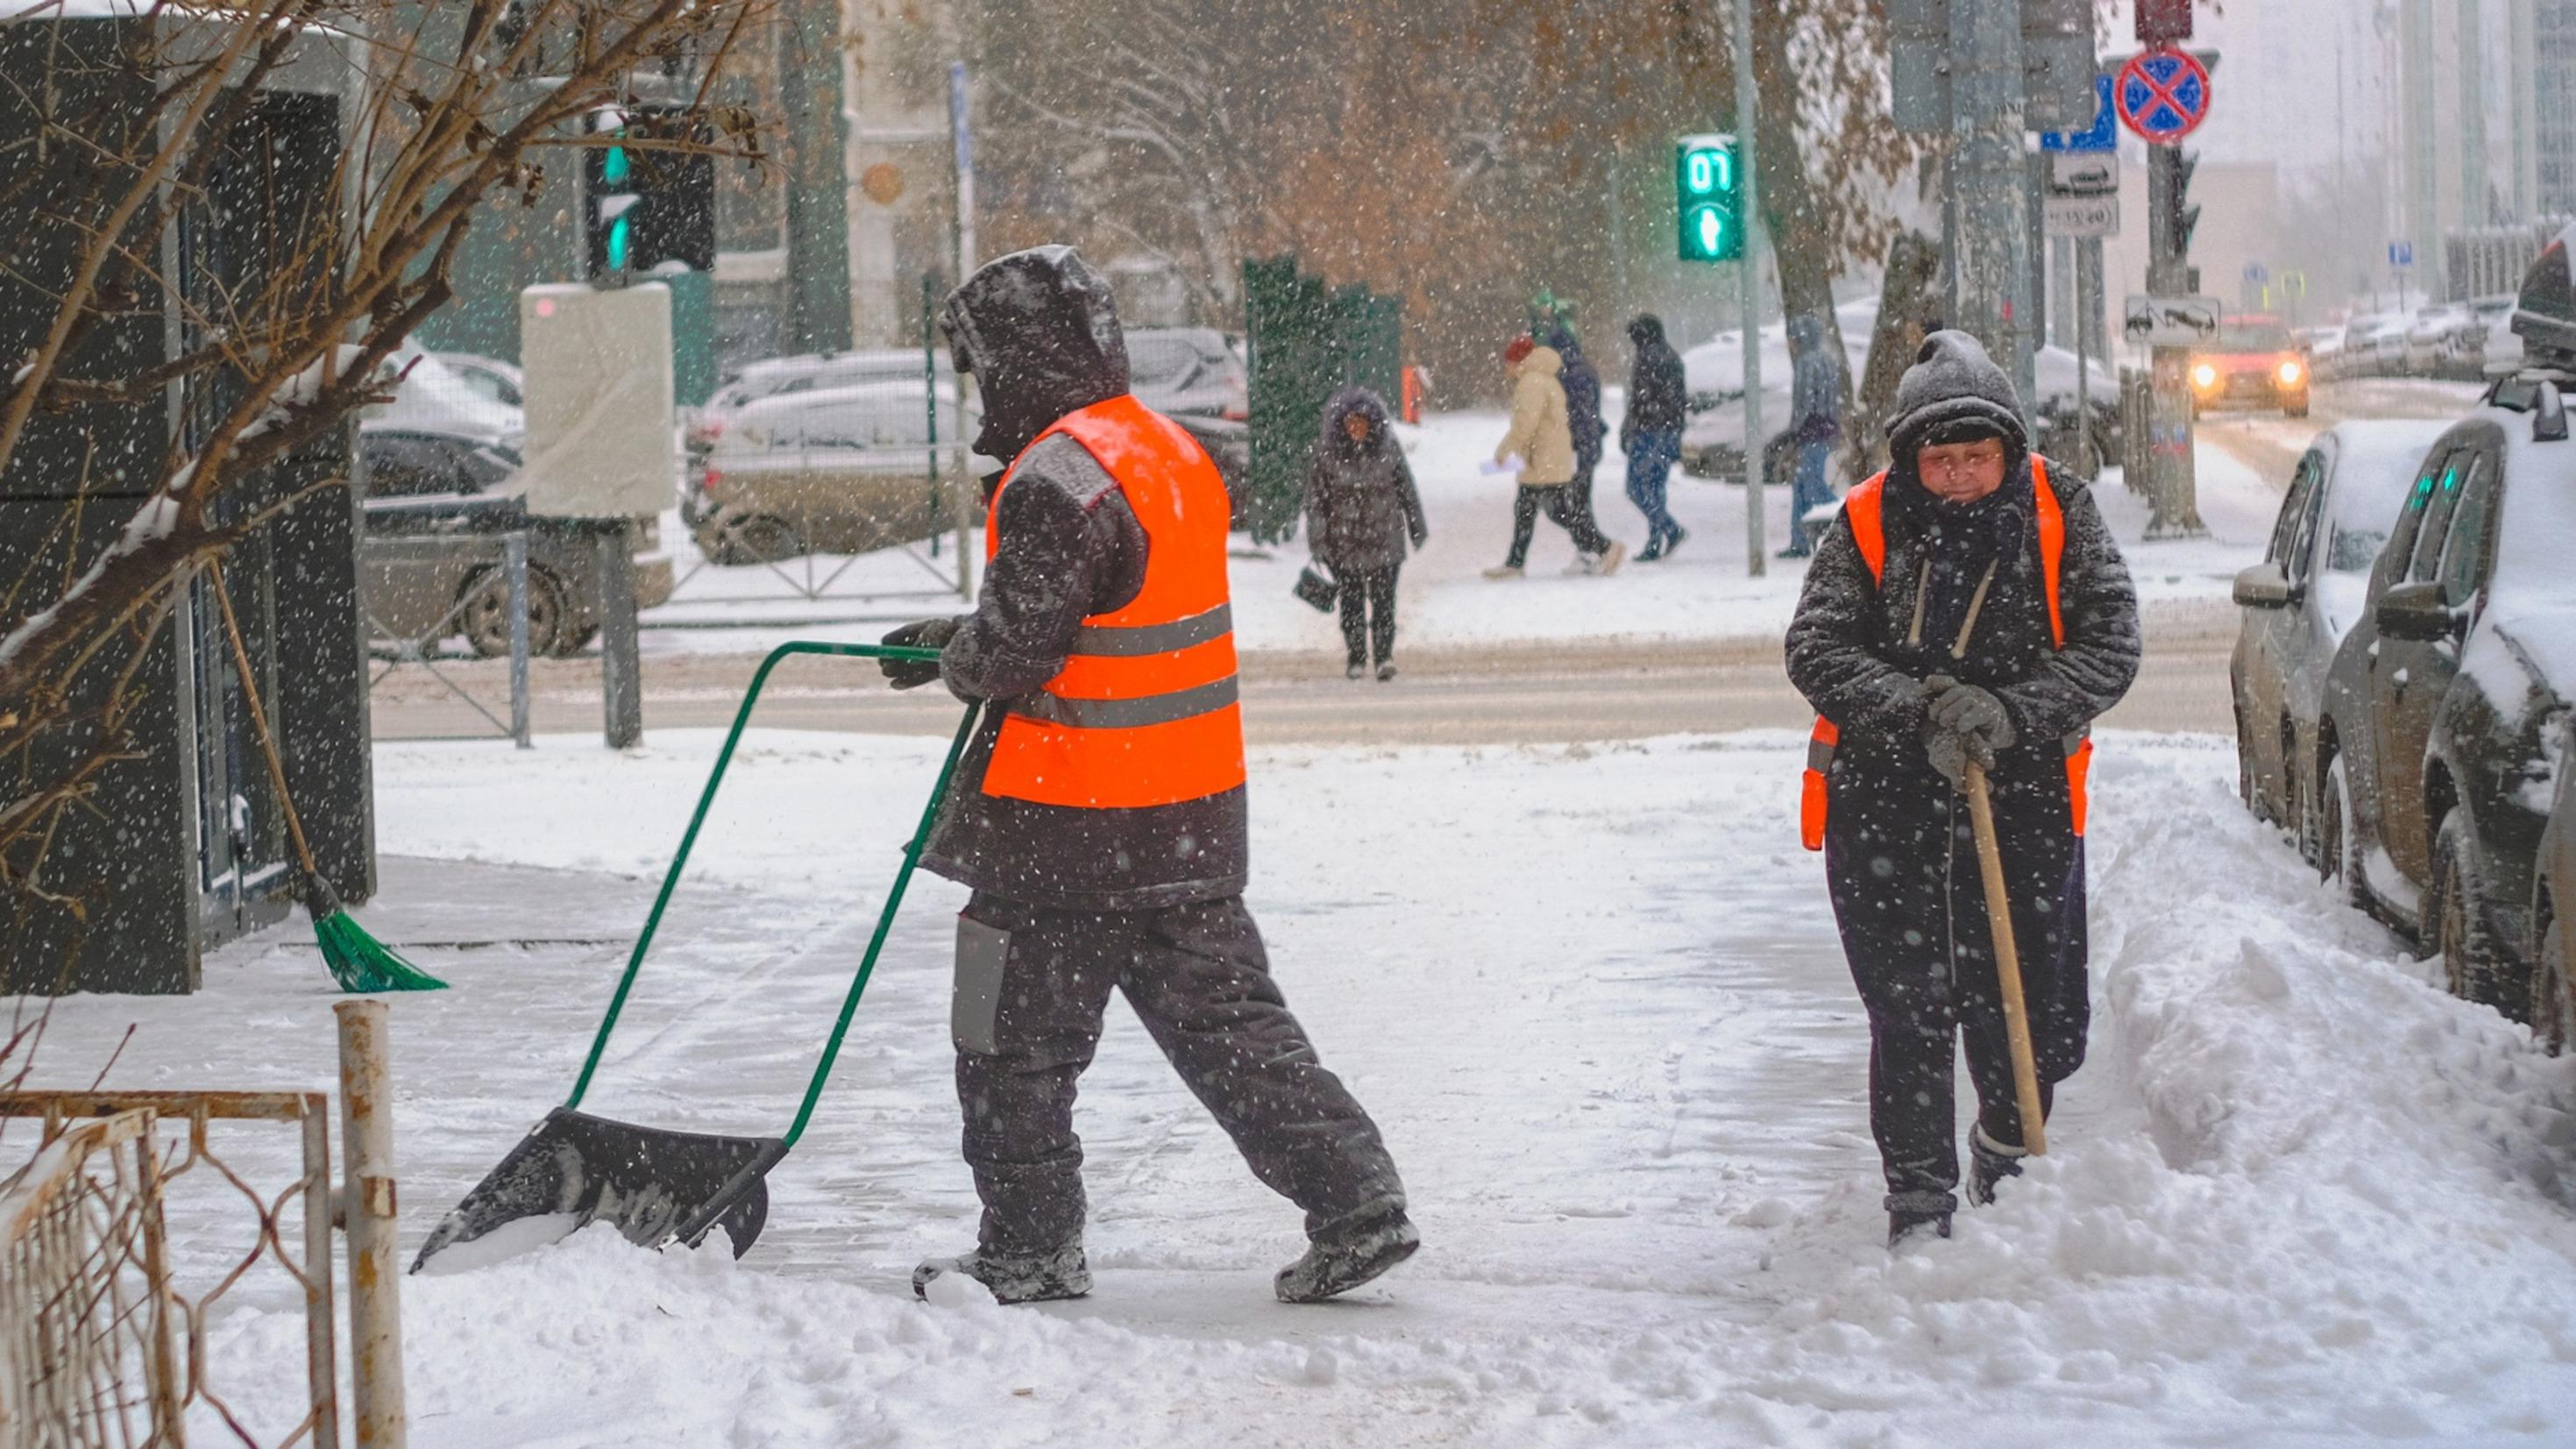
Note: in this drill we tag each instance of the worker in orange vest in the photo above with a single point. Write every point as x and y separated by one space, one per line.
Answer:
1967 604
1098 813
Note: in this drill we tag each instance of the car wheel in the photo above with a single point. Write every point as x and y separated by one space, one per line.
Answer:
2553 1004
2338 843
2300 411
569 642
2455 916
484 614
759 539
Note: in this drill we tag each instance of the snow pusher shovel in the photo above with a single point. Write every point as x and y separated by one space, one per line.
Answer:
1990 863
659 1186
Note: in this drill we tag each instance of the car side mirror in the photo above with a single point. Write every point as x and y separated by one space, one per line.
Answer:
2416 611
2264 586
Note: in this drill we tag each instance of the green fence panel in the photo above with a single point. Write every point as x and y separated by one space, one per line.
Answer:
1306 340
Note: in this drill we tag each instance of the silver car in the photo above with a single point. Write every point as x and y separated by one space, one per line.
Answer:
835 470
2306 594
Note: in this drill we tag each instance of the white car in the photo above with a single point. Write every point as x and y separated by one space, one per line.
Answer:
431 397
832 470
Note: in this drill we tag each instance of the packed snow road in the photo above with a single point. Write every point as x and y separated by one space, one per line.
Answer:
1593 994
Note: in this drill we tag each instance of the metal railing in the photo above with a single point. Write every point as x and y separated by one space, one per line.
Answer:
86 1357
135 1332
427 648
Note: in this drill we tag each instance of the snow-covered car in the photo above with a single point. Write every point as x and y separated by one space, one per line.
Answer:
2297 604
837 470
2440 338
2553 897
2500 352
2375 345
2430 781
500 381
430 396
803 373
1191 376
2324 349
430 555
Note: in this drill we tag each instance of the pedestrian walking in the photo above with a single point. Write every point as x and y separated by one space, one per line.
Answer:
1540 438
1651 431
1967 605
1099 809
1815 424
1361 511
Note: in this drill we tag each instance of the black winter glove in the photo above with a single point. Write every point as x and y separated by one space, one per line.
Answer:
926 634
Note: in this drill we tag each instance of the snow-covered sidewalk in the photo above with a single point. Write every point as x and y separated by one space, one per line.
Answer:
1701 592
2298 1197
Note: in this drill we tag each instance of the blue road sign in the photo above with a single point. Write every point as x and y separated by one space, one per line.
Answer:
2257 273
2401 254
2105 135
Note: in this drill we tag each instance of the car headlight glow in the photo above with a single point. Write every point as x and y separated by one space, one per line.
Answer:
2290 373
2204 375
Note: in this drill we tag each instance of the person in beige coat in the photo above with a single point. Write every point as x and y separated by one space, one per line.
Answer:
1541 439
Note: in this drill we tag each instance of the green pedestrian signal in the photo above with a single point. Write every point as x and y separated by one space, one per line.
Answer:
1708 198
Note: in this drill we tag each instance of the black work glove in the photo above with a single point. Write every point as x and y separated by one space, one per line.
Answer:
925 634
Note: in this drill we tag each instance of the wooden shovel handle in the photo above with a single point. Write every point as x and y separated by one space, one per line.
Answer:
1990 864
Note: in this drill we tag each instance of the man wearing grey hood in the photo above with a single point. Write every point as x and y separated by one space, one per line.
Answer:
1966 605
1098 813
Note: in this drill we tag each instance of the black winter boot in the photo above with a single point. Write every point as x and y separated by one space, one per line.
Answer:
1039 1278
1910 1214
1990 1162
1343 1260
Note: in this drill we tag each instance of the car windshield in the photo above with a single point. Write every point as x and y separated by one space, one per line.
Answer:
2263 336
2354 550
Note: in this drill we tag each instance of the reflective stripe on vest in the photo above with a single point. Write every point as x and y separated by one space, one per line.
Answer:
1864 511
1144 711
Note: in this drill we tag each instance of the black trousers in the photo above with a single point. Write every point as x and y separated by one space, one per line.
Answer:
1368 613
1031 987
1564 509
1901 860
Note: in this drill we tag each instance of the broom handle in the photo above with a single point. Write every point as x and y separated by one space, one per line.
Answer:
706 798
1990 863
259 720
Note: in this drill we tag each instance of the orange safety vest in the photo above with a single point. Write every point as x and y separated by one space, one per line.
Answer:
1862 508
1144 712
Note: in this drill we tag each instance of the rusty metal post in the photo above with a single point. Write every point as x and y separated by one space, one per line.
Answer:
375 1272
161 1367
321 1314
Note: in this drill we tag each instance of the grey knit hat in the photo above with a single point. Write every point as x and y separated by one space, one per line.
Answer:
1955 393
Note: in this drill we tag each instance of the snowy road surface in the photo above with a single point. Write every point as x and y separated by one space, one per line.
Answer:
2299 1196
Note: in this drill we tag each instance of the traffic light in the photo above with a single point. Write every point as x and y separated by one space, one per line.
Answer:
644 204
2178 218
1708 198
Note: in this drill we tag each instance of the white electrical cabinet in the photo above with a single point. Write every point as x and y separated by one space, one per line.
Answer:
602 438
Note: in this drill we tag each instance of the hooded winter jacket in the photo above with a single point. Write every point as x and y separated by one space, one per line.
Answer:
1041 335
1539 434
1361 505
1582 386
1658 395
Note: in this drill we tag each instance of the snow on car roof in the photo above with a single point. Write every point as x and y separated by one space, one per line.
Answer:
2374 462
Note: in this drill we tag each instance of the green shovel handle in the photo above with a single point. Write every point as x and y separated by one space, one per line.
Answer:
698 818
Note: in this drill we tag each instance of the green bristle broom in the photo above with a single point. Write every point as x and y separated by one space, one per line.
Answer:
358 961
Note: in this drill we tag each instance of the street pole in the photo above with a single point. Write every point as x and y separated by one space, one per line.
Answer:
818 191
2078 253
1990 176
961 138
2172 497
1748 279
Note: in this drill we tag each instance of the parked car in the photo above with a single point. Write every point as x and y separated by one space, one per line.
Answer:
2298 603
2256 363
2500 354
803 373
435 505
2553 899
427 395
834 470
2375 345
500 381
2444 340
1191 376
2324 349
2431 769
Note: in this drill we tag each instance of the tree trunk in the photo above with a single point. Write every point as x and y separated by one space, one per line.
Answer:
1802 246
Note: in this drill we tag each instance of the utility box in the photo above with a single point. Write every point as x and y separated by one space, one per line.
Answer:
602 439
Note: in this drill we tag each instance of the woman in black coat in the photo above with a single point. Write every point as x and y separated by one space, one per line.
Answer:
1361 507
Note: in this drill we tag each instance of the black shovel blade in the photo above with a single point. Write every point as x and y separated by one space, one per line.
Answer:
657 1186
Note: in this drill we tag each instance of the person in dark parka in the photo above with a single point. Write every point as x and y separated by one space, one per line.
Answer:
1582 384
1651 431
1111 866
1361 510
1951 659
